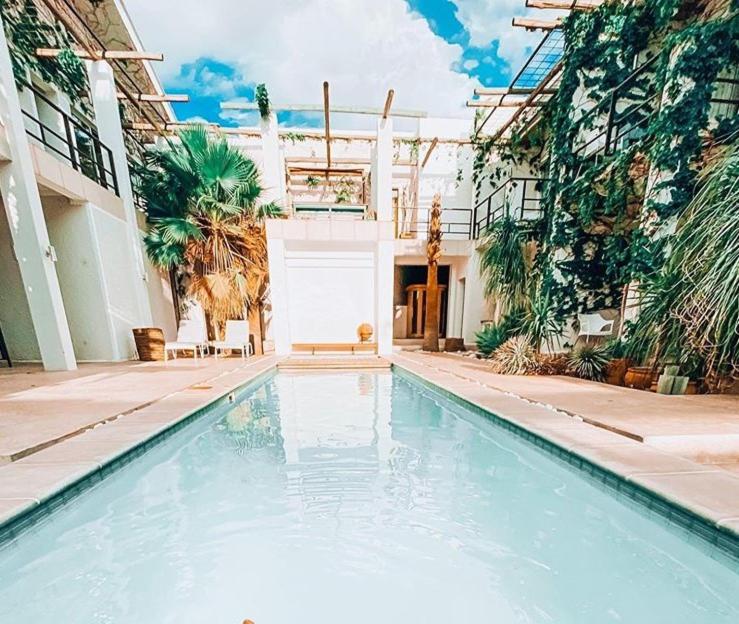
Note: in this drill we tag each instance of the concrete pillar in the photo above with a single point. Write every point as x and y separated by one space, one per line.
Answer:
382 171
110 130
278 294
28 232
273 167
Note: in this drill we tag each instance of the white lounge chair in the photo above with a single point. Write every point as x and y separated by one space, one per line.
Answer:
237 338
594 325
191 336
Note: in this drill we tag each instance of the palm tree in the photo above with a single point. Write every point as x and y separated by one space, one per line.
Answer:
206 222
433 253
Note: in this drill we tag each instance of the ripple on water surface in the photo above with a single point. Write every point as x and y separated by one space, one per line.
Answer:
354 498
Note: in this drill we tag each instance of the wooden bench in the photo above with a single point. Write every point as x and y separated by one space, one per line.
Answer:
328 347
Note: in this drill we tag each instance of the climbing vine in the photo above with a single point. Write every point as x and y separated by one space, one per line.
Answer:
262 98
27 30
603 226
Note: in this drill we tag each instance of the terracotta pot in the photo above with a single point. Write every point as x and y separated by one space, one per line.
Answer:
149 343
692 387
639 377
617 371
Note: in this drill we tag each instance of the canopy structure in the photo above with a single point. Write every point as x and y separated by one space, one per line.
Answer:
538 79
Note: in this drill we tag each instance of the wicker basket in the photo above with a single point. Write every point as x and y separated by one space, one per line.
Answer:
149 343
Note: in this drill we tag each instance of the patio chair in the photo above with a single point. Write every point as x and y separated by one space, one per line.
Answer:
594 325
191 336
237 338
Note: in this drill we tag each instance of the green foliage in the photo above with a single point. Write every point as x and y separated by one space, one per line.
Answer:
344 189
495 334
515 356
589 362
312 181
503 263
541 322
26 31
262 98
294 137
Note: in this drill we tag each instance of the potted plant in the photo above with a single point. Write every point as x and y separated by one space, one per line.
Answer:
618 364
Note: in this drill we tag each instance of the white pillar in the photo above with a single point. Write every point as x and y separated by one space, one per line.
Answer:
385 261
278 294
110 130
382 171
273 169
28 232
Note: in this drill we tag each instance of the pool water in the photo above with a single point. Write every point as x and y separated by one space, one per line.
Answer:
354 498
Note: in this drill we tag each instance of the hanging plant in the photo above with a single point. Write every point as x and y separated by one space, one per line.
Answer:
262 98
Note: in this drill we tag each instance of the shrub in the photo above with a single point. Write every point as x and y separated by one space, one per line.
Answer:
551 364
515 356
492 336
589 362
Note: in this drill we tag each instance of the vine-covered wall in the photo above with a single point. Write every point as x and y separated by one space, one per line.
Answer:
605 226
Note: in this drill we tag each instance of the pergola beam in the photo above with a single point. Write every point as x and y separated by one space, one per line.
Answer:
388 103
152 97
314 108
431 148
327 124
505 91
95 55
498 104
566 5
534 24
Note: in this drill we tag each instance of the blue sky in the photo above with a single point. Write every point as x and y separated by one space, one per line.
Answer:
432 52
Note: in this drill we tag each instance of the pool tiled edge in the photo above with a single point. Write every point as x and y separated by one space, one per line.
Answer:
723 539
26 515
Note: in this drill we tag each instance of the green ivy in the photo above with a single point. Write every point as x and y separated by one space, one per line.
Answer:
26 30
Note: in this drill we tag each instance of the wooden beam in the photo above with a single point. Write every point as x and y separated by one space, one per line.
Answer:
121 55
505 91
328 171
498 104
147 97
533 24
315 108
566 5
431 148
388 103
327 124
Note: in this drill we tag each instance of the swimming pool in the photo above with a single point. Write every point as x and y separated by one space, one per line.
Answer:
354 498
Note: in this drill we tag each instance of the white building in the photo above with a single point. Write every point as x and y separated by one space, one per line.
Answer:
73 278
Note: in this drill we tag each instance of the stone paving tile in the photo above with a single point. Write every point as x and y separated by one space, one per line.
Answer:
630 458
712 494
31 480
10 507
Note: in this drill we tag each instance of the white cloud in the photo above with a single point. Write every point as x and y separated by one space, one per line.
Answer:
470 64
488 20
362 47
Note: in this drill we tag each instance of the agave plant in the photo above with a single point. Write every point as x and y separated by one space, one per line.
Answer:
589 362
203 197
495 334
540 322
515 356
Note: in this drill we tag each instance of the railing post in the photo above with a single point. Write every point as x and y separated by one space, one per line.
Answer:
70 142
609 128
114 175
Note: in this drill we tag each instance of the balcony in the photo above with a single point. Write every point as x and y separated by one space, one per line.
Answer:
71 141
413 222
519 198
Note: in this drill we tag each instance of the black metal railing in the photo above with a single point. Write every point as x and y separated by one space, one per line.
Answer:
507 201
410 222
73 142
622 117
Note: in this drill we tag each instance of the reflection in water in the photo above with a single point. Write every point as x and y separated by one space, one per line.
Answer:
354 498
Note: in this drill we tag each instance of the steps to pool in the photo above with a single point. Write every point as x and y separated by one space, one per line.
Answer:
324 363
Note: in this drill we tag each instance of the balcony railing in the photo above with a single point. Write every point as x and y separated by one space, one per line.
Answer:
412 222
519 198
73 142
622 117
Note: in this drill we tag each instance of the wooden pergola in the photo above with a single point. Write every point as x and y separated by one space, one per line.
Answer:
527 100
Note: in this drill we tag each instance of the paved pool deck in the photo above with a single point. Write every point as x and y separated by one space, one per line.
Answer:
610 426
57 427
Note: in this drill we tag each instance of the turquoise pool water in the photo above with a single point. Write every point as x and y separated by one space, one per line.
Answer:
354 499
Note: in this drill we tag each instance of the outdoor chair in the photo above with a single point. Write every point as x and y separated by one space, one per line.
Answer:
191 336
594 325
237 339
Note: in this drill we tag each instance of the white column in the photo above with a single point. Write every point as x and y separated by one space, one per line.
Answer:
273 168
278 294
110 130
385 261
28 232
382 171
